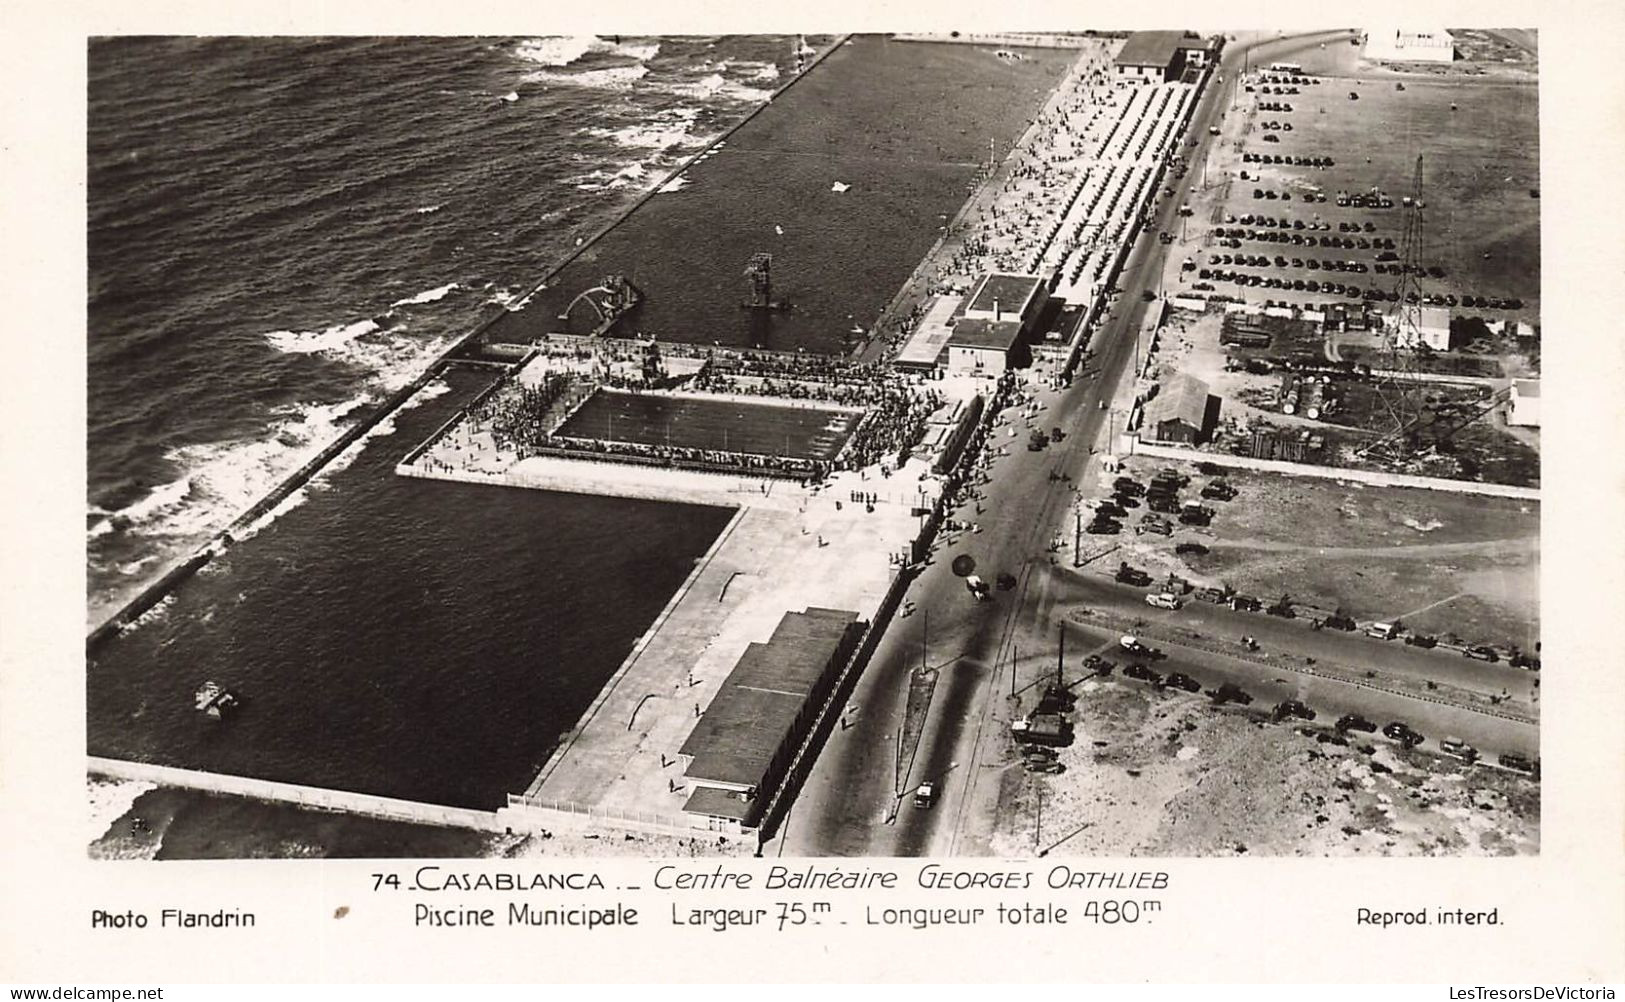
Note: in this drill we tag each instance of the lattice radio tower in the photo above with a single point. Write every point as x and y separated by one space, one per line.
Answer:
1398 389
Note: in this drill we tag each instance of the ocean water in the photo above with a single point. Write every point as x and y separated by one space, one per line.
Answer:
281 230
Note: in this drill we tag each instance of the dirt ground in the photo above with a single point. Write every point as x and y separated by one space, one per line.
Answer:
1162 774
1443 563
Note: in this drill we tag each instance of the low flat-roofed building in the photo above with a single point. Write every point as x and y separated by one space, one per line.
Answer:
739 752
1398 45
1179 412
1002 296
982 347
1157 56
1524 408
1424 325
925 347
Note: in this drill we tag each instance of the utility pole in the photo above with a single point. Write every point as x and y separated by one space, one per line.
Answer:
1060 655
1077 537
1038 825
1013 657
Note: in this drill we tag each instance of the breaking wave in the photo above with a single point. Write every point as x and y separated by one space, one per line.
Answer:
673 127
111 799
609 78
431 296
566 49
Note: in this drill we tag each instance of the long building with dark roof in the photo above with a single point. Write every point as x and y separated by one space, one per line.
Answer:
740 750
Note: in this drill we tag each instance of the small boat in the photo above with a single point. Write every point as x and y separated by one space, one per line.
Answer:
214 699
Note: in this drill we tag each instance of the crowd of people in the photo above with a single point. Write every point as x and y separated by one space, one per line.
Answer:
892 428
521 418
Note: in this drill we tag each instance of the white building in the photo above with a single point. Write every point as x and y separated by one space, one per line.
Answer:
1421 325
1399 45
1524 410
982 347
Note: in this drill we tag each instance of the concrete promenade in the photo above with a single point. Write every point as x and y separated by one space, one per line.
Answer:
621 758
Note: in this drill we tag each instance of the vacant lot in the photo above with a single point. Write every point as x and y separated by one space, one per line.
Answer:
1162 774
1444 563
754 429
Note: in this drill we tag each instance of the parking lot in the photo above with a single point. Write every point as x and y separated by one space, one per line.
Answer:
1310 184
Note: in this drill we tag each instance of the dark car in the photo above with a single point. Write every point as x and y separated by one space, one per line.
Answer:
1109 508
1128 485
1245 603
1141 672
1403 734
1125 500
1218 490
1522 660
1195 549
1520 764
1103 527
1482 653
1339 621
1191 516
1132 575
1292 708
1231 693
1177 680
1166 505
1422 640
1282 608
1208 469
1005 581
1355 722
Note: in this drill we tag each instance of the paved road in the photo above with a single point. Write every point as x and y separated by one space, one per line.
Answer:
854 801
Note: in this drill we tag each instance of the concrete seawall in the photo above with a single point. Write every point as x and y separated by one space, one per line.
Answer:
300 796
183 569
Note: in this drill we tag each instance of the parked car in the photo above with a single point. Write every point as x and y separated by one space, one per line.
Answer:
1245 603
1141 672
1135 646
1480 652
1422 640
1229 692
1292 708
1159 527
1402 733
1132 575
1355 722
1195 549
1459 748
1103 527
925 795
1179 680
1163 600
1520 764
